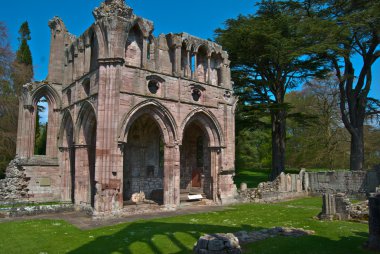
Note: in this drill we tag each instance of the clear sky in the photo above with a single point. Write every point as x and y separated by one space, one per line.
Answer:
196 17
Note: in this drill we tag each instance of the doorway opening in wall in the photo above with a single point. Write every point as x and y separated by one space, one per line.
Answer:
143 170
195 172
41 126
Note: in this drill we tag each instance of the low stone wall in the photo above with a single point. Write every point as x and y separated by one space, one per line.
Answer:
350 182
284 187
28 210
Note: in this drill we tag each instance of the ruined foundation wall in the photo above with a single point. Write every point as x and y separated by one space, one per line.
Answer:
36 179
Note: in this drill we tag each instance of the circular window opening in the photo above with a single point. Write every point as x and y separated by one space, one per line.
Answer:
196 94
153 86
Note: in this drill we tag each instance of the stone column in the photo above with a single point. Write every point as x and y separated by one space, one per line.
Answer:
171 176
208 78
374 222
64 159
188 65
108 155
25 132
144 53
194 74
328 206
58 34
82 176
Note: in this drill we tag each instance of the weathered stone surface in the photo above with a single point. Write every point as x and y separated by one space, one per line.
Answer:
339 207
15 185
243 187
217 244
254 236
283 187
138 197
132 112
349 182
230 243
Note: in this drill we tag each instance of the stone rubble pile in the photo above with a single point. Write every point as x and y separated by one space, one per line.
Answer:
359 211
217 244
15 184
230 243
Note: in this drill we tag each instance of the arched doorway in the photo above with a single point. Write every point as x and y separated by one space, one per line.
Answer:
85 155
149 135
200 156
143 169
195 161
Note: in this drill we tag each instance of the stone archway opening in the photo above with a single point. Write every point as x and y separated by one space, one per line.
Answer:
85 158
195 170
143 170
67 156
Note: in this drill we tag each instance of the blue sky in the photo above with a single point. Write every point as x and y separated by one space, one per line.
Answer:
196 17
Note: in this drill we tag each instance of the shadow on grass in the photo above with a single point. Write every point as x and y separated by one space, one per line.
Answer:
159 237
311 244
154 237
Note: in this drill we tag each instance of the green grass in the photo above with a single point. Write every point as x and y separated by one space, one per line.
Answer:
251 177
178 234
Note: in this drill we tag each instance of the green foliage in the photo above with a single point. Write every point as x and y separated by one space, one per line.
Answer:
178 234
12 77
272 52
23 65
24 31
23 54
40 140
8 104
253 149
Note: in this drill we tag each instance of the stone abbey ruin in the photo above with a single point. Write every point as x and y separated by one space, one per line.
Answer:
127 113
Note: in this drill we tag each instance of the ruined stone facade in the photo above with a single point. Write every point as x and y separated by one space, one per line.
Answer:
129 113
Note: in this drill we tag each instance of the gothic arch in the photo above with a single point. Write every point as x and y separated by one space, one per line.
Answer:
85 155
48 92
209 124
160 114
67 120
85 121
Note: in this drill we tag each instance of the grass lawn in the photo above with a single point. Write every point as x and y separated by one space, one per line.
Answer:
178 234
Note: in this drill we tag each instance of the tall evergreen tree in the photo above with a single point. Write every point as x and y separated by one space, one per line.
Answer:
271 52
23 64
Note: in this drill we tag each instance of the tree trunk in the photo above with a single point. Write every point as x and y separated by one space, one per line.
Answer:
278 142
357 150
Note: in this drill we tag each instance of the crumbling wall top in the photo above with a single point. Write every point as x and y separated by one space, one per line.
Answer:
112 8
